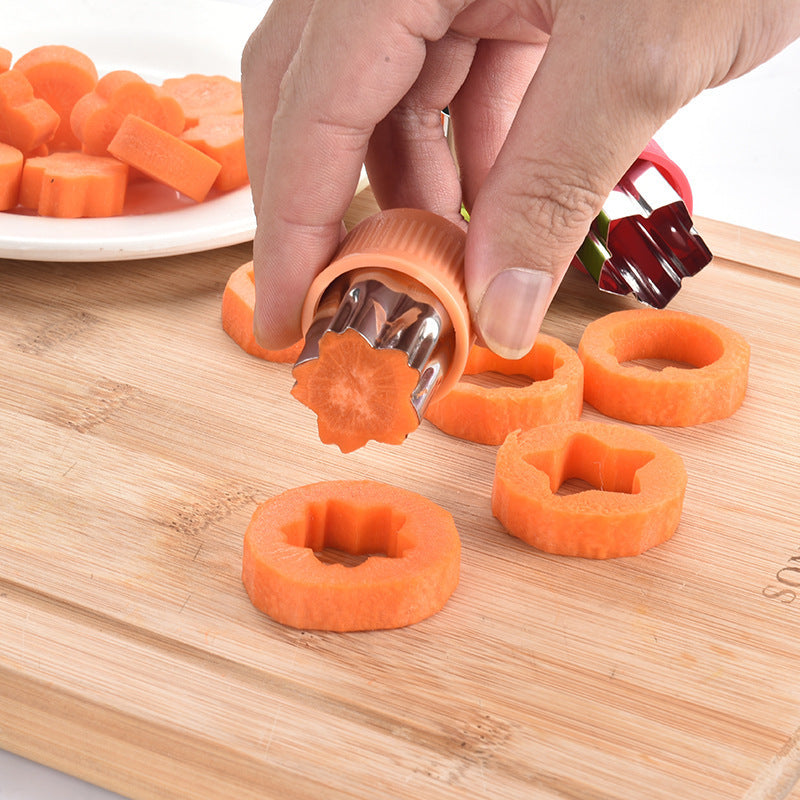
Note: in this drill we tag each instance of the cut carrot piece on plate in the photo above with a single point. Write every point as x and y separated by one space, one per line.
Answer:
238 301
5 59
26 121
96 116
164 157
11 161
203 95
487 414
221 136
415 577
712 390
358 392
59 75
639 485
73 184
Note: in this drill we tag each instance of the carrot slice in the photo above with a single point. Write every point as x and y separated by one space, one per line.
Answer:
164 157
357 392
11 161
221 136
285 579
41 150
204 95
26 122
74 184
636 503
715 389
238 301
5 59
96 116
488 414
59 75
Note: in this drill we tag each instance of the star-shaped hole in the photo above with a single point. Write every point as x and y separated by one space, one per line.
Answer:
585 463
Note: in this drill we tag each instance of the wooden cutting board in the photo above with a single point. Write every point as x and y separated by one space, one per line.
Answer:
137 440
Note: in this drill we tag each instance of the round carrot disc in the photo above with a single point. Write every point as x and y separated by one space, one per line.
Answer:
488 414
417 538
714 389
636 502
238 302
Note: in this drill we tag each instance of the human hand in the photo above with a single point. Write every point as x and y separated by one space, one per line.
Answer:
551 102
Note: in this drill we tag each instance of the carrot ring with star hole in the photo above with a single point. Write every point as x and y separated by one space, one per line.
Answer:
487 414
288 582
713 390
635 503
238 302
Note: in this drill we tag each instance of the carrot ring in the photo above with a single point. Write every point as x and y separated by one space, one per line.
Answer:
488 415
238 302
674 396
640 485
285 580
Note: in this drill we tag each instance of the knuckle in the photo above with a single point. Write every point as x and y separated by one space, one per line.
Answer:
425 19
544 214
558 205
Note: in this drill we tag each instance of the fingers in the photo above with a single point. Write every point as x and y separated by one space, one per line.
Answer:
577 131
409 161
355 61
265 59
484 108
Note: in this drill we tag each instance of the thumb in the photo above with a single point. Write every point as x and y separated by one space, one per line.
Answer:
577 131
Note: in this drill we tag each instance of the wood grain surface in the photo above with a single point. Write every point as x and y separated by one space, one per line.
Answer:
137 440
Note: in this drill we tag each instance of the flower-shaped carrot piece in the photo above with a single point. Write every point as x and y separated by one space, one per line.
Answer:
26 121
358 392
238 301
202 95
488 414
221 136
636 503
713 390
286 580
164 157
11 161
59 75
73 184
96 117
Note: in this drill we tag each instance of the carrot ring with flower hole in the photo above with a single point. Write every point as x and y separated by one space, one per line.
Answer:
488 414
238 302
713 390
287 581
639 485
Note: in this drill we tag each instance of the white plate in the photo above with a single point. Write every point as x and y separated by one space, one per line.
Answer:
158 39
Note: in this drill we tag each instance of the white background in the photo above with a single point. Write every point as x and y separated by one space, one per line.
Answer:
739 144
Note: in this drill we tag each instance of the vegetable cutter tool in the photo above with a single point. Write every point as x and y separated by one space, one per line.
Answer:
397 282
644 241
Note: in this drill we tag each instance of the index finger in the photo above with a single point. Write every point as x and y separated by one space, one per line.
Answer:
355 62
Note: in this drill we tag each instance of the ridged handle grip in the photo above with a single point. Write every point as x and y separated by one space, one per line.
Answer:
413 243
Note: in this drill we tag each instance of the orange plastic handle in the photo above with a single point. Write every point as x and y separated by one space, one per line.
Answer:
413 243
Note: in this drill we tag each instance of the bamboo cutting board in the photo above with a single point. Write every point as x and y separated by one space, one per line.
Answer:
137 440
